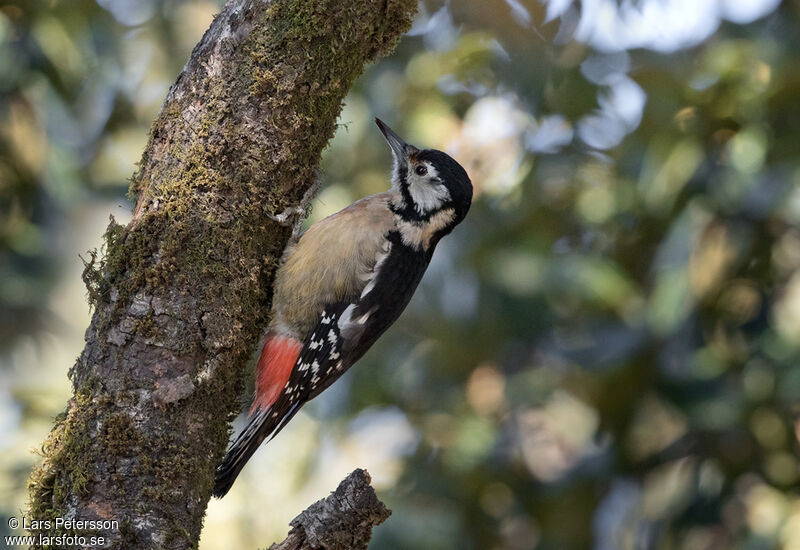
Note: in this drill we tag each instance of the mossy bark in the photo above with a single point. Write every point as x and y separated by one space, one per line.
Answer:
181 295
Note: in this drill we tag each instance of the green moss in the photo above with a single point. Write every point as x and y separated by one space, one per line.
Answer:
313 64
127 533
147 327
119 435
66 451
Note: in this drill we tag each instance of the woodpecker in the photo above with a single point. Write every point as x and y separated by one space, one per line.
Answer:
343 283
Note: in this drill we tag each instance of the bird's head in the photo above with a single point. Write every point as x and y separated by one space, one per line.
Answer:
430 182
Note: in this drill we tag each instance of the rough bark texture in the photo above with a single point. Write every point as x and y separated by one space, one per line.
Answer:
181 295
343 521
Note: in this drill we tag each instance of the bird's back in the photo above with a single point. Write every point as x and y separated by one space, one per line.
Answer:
331 262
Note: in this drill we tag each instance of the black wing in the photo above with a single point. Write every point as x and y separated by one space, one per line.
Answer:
353 326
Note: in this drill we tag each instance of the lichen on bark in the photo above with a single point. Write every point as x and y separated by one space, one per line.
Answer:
181 294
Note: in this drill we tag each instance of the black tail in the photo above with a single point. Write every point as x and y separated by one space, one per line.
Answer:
262 425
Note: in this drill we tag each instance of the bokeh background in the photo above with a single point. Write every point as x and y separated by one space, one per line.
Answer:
603 355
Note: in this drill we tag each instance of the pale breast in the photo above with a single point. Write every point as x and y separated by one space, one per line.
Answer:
331 262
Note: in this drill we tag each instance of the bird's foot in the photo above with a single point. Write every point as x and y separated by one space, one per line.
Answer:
293 216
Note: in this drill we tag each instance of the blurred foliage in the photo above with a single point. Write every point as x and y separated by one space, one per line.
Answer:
603 355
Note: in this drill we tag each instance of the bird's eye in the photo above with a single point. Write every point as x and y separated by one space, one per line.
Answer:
420 169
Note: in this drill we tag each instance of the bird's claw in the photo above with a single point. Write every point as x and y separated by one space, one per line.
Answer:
289 217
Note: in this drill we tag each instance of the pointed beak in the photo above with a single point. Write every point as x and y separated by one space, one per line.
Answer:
399 147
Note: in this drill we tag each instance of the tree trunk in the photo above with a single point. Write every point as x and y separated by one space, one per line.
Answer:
182 294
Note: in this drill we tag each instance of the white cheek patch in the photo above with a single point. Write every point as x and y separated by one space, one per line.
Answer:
426 194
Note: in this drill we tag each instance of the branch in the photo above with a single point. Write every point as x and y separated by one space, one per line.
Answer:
182 293
342 521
